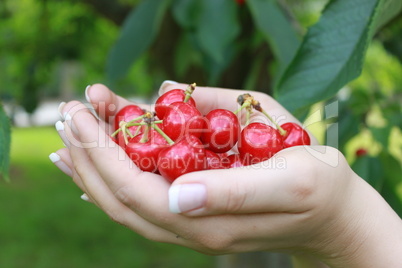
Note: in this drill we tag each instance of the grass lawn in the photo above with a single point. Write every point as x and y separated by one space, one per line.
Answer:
44 223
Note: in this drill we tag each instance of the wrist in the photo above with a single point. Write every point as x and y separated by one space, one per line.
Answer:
370 234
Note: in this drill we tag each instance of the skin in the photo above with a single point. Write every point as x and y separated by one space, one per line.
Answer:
305 201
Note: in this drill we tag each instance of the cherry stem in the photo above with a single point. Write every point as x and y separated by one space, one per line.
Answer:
144 137
189 90
160 131
243 106
280 129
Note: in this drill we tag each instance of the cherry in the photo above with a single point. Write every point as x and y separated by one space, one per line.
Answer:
213 161
182 119
259 142
175 95
232 161
295 135
144 149
222 131
185 156
126 114
361 152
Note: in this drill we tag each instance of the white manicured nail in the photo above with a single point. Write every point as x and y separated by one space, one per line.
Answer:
56 159
85 198
86 93
187 197
61 105
165 84
60 130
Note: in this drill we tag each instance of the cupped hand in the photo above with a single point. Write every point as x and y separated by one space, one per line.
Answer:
304 199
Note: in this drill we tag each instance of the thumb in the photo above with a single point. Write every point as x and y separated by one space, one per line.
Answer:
280 184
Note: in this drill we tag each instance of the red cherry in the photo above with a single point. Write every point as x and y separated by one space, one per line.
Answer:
259 142
126 114
145 154
361 152
232 161
213 161
295 135
163 102
185 156
222 130
182 119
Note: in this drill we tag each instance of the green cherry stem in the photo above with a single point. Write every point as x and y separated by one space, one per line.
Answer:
160 131
189 90
280 129
144 137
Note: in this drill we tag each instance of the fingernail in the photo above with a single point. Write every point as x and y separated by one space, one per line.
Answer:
60 129
85 198
186 197
70 123
56 159
86 93
60 109
165 84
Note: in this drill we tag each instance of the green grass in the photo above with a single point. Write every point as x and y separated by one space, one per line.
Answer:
44 223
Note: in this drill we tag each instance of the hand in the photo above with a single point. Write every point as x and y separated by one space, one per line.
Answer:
303 200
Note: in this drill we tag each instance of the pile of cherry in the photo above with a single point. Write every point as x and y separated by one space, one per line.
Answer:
177 139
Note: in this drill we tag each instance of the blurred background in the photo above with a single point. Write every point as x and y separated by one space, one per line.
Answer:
50 50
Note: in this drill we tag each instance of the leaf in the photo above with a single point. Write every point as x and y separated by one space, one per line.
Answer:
332 52
277 30
186 12
5 140
370 169
393 182
137 34
217 28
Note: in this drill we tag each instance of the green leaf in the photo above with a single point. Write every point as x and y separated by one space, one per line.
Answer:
137 34
186 12
332 52
392 189
370 169
217 28
5 140
277 30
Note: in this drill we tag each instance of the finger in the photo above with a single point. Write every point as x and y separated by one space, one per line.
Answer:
287 182
101 195
105 102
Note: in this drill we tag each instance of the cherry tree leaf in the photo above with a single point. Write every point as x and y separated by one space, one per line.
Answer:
138 31
333 50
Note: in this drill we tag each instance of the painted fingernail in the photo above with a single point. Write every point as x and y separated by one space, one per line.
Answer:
56 159
187 197
165 84
60 129
70 123
60 109
85 198
86 93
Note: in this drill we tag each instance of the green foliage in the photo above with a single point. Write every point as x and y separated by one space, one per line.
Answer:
137 33
332 52
5 140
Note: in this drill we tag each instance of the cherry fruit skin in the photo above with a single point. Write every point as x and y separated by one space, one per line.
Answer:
232 161
182 119
163 102
145 154
222 130
295 135
213 161
126 114
259 142
185 156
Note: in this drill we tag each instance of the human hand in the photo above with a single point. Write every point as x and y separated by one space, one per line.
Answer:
301 200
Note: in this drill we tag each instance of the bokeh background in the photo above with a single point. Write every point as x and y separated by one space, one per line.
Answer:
50 50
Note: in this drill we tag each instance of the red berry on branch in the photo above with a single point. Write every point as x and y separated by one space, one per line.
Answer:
361 152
